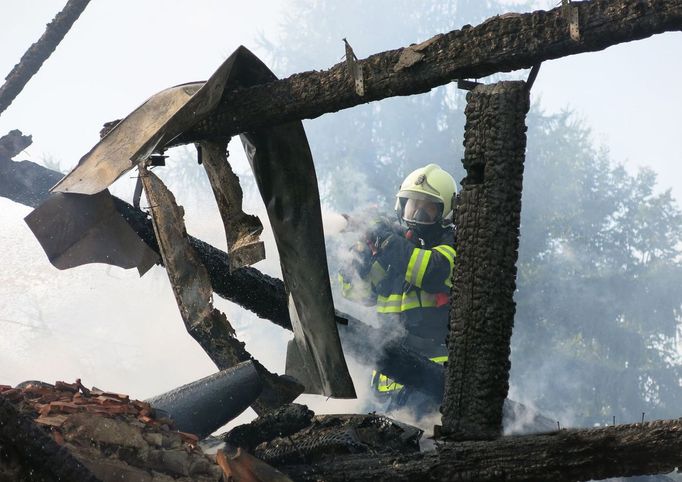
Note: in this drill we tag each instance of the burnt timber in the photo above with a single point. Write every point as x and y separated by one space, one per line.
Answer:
40 51
487 219
500 44
562 456
503 43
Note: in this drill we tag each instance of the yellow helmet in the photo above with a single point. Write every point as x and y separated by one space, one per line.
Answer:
426 196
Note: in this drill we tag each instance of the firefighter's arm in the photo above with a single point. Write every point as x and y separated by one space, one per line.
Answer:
356 279
428 269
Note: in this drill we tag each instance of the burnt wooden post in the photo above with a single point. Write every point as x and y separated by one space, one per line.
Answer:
484 278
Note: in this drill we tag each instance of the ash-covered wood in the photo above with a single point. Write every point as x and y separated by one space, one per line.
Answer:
285 421
39 52
487 221
562 456
329 436
500 44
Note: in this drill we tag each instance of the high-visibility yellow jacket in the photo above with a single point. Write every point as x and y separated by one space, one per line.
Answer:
410 280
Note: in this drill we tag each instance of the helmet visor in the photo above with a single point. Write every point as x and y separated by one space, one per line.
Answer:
421 208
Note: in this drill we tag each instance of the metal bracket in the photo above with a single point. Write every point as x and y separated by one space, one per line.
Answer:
200 154
355 69
157 160
467 84
137 195
532 76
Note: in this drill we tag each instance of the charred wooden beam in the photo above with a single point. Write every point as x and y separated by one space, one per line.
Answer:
39 52
194 295
392 358
562 456
242 230
13 143
500 44
28 183
487 221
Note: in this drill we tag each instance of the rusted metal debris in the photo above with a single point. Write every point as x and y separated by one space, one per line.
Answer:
77 229
242 230
151 126
283 167
194 295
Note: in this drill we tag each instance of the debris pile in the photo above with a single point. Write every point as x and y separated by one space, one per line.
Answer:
66 431
295 435
111 435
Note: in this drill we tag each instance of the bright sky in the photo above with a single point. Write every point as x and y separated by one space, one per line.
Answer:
122 51
113 59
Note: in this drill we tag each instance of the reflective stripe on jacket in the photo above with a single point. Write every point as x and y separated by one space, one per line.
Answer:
405 279
381 383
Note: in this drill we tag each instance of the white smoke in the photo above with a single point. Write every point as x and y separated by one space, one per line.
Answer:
116 331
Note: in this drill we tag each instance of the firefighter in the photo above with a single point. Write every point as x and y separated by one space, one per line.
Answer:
405 269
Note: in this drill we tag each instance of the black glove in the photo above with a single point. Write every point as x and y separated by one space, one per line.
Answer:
394 253
379 230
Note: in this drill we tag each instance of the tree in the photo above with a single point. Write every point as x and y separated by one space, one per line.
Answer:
599 281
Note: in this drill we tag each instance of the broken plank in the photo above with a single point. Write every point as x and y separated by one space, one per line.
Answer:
194 294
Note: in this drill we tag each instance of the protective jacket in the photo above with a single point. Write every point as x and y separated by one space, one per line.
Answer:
409 281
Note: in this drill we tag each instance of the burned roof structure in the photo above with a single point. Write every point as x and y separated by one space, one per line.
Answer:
267 112
277 155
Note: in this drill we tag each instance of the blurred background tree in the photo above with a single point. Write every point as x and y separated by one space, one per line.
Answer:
599 280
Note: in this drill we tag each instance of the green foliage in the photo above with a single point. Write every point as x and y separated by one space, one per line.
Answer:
599 279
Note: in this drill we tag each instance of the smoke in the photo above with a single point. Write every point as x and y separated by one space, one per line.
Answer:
116 331
547 378
264 340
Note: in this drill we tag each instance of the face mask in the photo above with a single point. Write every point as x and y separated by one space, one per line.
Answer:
421 211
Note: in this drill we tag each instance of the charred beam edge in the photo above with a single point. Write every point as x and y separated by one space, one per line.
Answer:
40 51
561 456
500 44
487 222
